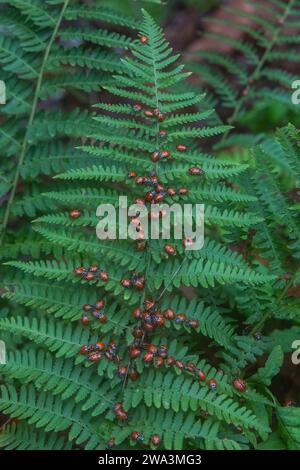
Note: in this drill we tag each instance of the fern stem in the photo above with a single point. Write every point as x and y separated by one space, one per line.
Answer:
30 121
259 66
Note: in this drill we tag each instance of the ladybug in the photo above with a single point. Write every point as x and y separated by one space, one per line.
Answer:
137 313
113 345
137 108
148 327
148 113
190 366
212 384
169 314
149 304
187 242
89 276
170 361
155 156
87 307
135 221
179 364
150 195
240 385
80 270
183 191
100 345
148 357
147 318
121 415
165 154
125 283
131 174
153 180
100 304
134 352
159 361
104 276
159 320
140 245
159 198
136 436
162 134
139 201
133 375
111 443
85 320
139 180
95 356
163 350
102 318
152 348
192 323
195 171
289 403
200 374
143 39
180 318
170 249
140 235
155 439
122 372
171 192
181 147
74 213
94 268
138 332
139 283
84 349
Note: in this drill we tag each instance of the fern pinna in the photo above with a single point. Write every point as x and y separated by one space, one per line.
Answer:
127 331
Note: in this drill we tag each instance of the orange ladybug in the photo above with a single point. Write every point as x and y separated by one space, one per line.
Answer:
169 314
181 147
85 320
212 384
148 357
155 439
170 249
195 171
240 385
74 213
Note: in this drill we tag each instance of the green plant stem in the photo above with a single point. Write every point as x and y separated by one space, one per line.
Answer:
259 66
30 121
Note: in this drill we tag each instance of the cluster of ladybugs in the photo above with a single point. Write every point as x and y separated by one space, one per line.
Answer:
160 155
158 192
95 352
136 280
96 310
91 273
151 318
138 437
